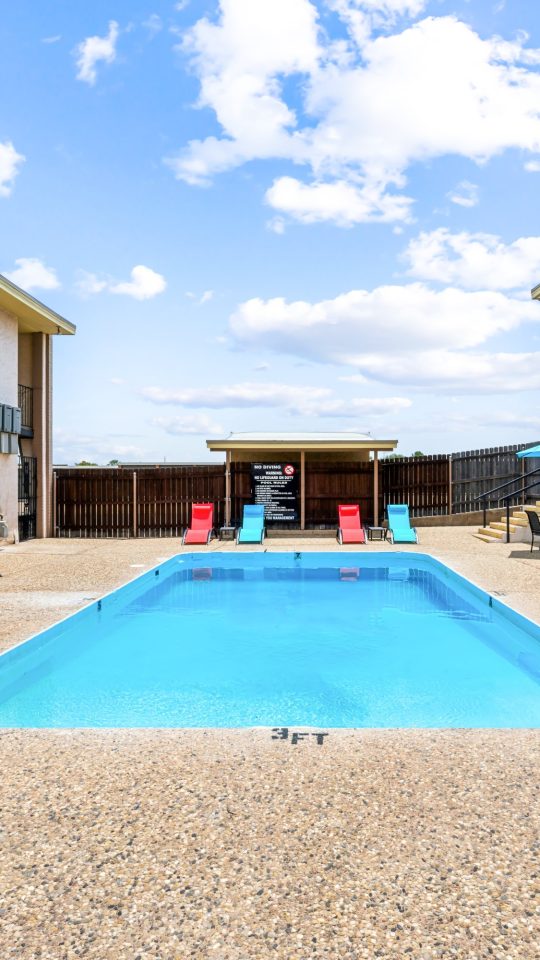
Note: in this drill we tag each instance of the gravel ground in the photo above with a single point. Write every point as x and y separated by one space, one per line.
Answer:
169 845
231 845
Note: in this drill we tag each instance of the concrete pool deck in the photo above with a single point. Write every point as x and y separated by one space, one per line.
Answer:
231 845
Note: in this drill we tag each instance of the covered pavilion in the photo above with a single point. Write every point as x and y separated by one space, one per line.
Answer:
304 449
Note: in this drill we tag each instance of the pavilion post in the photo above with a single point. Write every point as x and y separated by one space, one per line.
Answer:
375 488
134 506
228 488
302 489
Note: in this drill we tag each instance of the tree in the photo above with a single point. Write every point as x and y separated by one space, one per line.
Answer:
86 463
418 453
113 463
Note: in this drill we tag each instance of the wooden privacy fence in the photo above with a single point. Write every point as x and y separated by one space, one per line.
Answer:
476 471
450 483
329 484
146 502
155 501
422 482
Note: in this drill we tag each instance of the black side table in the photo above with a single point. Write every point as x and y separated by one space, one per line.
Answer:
376 533
227 533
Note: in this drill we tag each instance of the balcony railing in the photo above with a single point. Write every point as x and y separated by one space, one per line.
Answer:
26 404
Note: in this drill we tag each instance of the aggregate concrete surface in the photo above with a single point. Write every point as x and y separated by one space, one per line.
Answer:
168 845
232 845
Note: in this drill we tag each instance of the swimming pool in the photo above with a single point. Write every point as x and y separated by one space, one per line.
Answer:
282 639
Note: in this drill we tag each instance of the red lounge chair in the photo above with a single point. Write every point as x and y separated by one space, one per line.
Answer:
350 529
202 521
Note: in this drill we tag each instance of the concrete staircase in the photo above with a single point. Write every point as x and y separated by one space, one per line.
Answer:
519 526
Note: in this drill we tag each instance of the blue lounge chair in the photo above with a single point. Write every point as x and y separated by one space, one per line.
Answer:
399 525
252 529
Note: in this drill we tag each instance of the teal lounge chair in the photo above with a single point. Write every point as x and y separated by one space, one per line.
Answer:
252 529
399 525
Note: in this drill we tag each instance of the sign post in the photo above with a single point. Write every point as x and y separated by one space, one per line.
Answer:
276 486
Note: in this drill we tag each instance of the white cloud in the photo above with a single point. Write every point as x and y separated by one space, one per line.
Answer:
532 166
239 395
195 423
340 202
389 318
465 194
145 283
276 225
370 114
153 24
202 299
94 50
54 39
384 115
31 274
446 371
362 407
390 9
238 61
516 421
70 448
362 16
514 425
404 336
89 284
474 260
10 161
301 400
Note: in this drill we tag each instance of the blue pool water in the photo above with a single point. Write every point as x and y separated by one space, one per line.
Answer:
316 639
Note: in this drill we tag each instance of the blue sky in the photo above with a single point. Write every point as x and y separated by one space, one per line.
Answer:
278 214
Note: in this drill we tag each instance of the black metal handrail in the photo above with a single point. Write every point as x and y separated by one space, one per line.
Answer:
509 496
486 497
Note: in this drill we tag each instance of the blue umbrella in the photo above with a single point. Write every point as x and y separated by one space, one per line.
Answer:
531 452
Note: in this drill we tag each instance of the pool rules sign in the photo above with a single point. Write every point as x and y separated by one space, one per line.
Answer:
276 486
